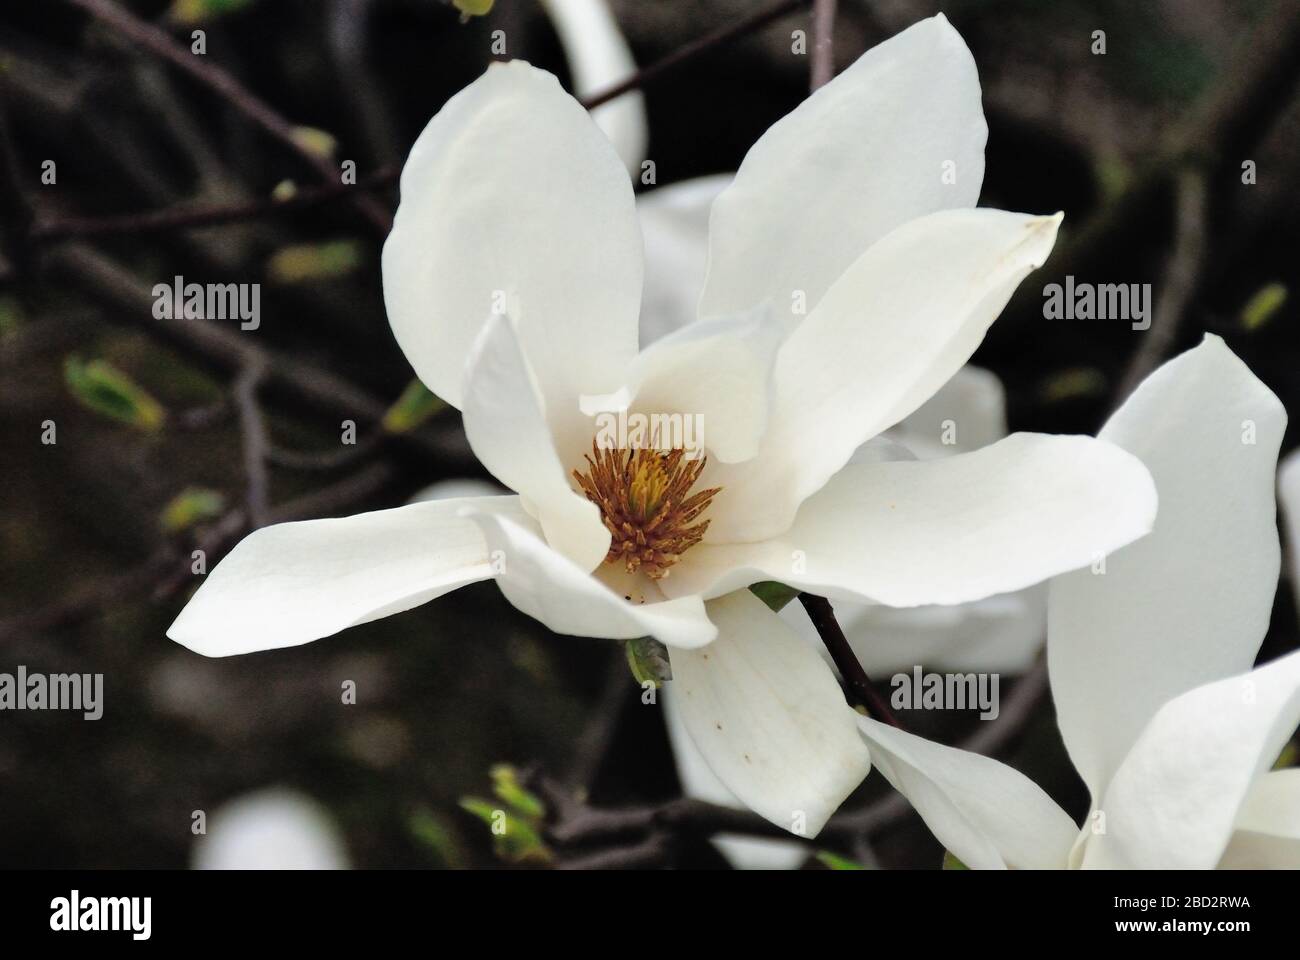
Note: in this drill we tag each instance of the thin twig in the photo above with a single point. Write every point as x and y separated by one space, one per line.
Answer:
188 216
224 84
828 628
822 58
695 48
1181 278
256 442
226 350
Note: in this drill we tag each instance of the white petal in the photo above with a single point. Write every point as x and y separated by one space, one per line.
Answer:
1174 801
508 431
292 583
458 487
1267 832
598 58
548 587
1001 634
273 829
1192 601
513 195
768 716
715 377
1288 496
990 816
700 783
861 156
967 412
895 328
1248 850
1273 805
946 531
675 225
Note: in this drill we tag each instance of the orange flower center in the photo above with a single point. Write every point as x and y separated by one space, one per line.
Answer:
646 503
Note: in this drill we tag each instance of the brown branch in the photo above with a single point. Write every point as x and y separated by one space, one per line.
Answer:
695 48
168 569
225 86
82 267
188 216
252 428
822 58
828 628
1181 278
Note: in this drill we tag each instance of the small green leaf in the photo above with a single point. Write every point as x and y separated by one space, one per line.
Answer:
313 261
316 141
835 862
648 659
472 8
1261 307
505 784
101 387
193 12
514 839
1072 384
952 863
775 595
429 829
412 408
1287 758
11 315
192 505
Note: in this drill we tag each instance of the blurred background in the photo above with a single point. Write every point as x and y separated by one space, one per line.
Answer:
159 174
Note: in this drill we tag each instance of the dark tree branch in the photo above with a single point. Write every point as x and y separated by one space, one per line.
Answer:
1181 279
828 628
695 48
822 59
188 216
224 85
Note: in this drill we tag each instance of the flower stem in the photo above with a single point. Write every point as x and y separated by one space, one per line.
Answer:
828 628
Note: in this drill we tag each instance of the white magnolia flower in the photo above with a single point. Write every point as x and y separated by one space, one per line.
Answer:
272 829
1150 663
513 282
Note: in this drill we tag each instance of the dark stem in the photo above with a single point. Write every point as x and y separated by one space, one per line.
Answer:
828 628
822 66
704 44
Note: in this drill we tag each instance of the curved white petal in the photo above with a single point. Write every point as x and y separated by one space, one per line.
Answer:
990 816
1191 602
1273 805
273 829
898 324
1248 850
508 431
966 413
713 378
907 533
547 586
1174 800
456 487
701 783
598 58
1267 832
768 716
513 199
675 225
1288 497
999 634
861 156
292 583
